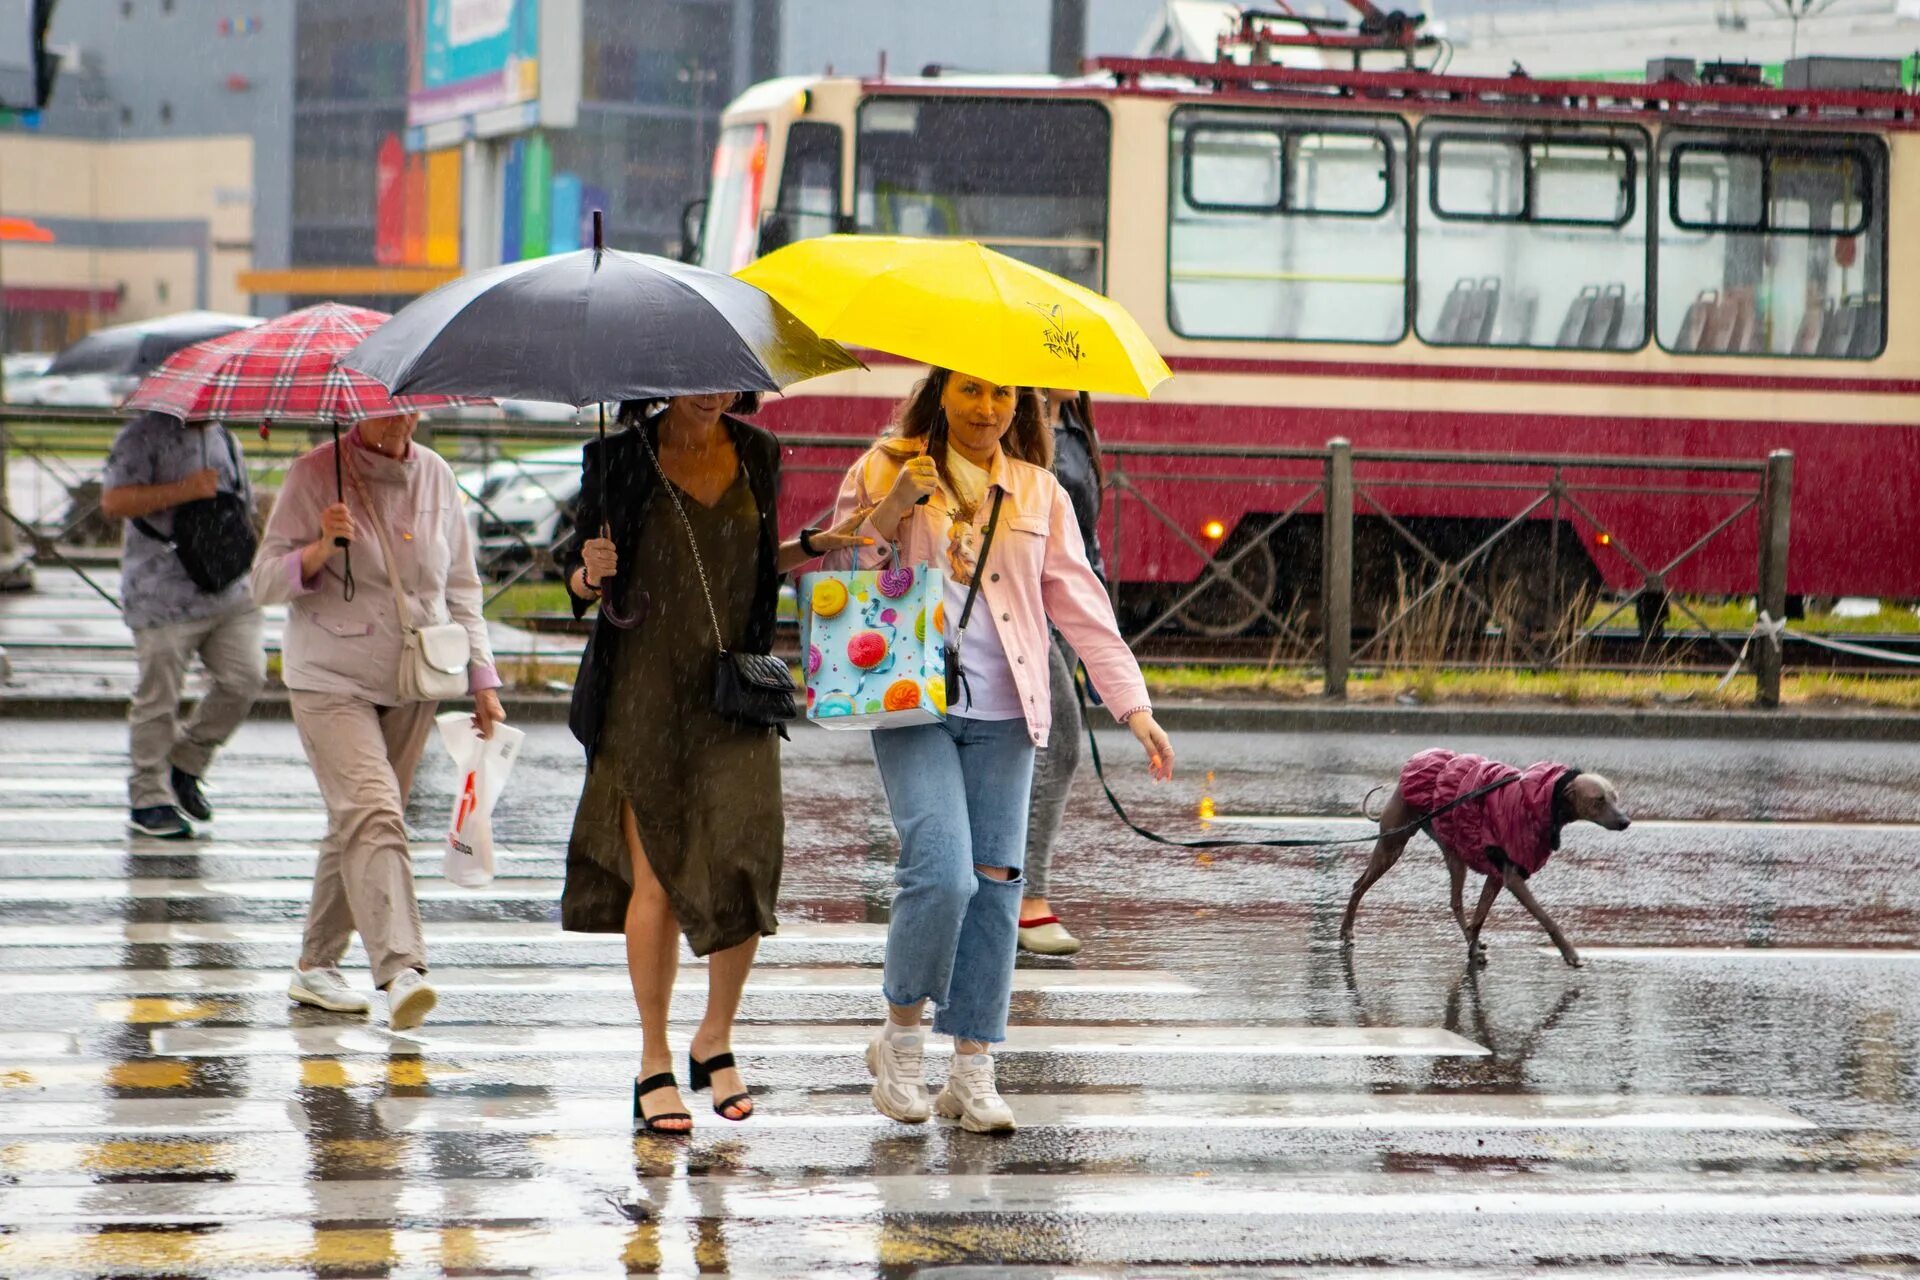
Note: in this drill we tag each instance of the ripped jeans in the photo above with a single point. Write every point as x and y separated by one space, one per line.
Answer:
958 793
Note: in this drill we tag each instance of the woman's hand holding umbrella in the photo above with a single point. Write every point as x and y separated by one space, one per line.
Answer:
336 531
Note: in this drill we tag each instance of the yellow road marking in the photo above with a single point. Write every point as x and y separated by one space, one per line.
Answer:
151 1009
139 1073
351 1073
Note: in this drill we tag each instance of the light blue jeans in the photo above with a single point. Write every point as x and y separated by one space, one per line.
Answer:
958 793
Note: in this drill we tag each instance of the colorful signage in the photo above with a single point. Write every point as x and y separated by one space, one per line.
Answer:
472 56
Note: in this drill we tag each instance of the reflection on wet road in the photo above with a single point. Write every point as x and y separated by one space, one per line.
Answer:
1213 1085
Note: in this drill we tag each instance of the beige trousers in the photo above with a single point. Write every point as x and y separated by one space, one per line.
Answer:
363 757
236 663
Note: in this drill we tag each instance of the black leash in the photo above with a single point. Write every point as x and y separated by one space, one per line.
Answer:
1099 771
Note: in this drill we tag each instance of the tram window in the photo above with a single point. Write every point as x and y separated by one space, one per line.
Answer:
809 202
1773 247
1027 177
1286 226
1536 239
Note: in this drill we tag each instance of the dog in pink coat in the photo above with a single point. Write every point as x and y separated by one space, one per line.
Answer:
1506 834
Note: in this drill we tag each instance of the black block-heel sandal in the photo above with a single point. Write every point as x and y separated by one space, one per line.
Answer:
701 1077
661 1080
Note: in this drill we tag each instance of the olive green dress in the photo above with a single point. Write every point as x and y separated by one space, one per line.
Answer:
705 791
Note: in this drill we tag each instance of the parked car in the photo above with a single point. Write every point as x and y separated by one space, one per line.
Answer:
523 504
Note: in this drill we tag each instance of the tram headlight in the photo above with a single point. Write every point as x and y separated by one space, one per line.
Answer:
1213 530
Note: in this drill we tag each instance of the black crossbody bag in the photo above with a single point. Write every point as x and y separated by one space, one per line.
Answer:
957 689
212 537
748 688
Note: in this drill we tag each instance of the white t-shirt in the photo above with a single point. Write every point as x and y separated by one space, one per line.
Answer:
989 692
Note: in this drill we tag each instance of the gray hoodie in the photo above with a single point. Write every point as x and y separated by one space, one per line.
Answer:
336 645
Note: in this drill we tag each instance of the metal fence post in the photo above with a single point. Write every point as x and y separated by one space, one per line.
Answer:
1775 512
1336 569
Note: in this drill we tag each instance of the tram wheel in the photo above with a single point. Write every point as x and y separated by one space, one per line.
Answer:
1532 593
1219 610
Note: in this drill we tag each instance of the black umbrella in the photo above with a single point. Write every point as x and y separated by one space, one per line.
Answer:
591 326
141 347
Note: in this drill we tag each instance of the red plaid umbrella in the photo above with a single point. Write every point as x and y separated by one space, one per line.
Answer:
286 368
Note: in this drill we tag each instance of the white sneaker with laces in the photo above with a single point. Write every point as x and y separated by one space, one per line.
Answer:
972 1098
326 989
410 998
899 1064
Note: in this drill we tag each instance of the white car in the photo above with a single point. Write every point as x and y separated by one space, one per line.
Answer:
520 504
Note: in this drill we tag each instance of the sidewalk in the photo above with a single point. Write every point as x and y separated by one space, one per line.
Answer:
72 659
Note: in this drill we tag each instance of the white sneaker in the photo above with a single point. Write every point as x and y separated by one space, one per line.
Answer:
899 1066
410 998
326 989
972 1098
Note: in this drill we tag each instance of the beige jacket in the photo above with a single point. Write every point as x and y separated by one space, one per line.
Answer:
336 645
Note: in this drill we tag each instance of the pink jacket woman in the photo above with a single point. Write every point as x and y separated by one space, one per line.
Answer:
1038 573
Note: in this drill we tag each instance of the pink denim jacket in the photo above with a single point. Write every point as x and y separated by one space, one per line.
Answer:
1037 573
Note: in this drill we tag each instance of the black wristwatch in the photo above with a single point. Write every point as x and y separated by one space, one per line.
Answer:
806 543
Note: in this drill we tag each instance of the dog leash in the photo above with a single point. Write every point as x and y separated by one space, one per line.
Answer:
1099 771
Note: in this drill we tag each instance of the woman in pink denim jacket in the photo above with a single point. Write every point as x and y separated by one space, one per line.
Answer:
958 790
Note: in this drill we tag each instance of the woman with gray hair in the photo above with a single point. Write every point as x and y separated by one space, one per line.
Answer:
355 639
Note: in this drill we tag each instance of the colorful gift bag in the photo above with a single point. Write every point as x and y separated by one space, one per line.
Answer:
871 650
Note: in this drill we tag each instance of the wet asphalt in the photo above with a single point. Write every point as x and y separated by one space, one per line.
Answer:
1213 1087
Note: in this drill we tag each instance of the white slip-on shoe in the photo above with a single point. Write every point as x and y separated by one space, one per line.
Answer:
410 998
1046 936
899 1066
326 989
972 1098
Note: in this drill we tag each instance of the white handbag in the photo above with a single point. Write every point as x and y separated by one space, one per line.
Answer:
434 658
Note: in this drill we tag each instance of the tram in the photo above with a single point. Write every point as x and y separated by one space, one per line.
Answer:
1412 261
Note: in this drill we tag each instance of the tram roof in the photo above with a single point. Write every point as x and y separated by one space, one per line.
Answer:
1731 105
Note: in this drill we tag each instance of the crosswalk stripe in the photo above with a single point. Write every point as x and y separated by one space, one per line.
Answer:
294 824
822 1040
37 1044
1306 1111
1763 955
518 888
557 978
135 848
1333 1111
186 932
1338 822
1270 1196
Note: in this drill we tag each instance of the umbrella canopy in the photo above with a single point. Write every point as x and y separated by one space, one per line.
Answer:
962 306
285 368
593 326
140 347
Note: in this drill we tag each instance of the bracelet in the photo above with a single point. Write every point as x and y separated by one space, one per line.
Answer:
592 588
806 543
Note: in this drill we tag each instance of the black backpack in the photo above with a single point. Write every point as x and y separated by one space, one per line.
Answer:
214 536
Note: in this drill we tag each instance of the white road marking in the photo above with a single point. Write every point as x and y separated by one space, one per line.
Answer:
823 1040
1775 955
186 932
132 1117
495 980
1337 823
505 888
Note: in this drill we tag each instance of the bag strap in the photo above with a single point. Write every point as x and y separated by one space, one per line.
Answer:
686 524
386 551
979 567
1099 771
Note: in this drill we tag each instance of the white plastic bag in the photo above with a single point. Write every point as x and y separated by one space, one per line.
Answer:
481 766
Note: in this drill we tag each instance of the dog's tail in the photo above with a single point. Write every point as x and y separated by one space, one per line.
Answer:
1366 805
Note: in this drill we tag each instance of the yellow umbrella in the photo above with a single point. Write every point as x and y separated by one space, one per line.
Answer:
961 306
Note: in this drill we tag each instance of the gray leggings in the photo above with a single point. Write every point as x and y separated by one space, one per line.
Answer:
1053 770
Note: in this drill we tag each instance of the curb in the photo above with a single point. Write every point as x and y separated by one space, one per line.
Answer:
1231 717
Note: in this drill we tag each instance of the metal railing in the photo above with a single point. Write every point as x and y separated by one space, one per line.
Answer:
1238 586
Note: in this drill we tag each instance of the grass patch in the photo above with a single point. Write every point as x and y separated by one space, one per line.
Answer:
1738 615
529 597
1433 687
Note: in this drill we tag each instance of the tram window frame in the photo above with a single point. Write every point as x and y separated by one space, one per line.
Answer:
785 215
1634 139
1768 153
1870 147
1287 137
1391 127
1525 142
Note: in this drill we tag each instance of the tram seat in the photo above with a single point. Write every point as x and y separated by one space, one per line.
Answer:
1447 325
1603 318
1633 322
1485 310
1732 325
1865 343
1693 325
1576 322
1808 338
1836 338
1467 315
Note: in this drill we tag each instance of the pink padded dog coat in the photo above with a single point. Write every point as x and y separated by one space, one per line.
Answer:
1516 820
